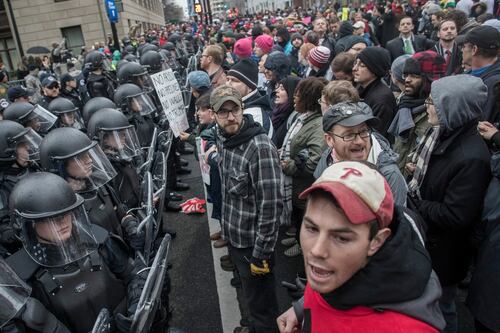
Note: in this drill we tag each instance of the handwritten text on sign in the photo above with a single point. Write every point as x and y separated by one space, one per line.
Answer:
170 95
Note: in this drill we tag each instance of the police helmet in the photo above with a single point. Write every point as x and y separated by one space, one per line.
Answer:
95 104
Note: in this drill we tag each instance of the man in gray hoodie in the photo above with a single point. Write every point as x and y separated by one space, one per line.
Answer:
349 135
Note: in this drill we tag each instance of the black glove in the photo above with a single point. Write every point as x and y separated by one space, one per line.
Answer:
135 239
123 324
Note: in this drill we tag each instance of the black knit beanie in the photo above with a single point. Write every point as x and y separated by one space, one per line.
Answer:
246 71
377 59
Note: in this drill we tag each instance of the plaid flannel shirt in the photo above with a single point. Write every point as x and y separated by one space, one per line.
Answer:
251 195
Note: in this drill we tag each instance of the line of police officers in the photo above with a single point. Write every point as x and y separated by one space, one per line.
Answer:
70 190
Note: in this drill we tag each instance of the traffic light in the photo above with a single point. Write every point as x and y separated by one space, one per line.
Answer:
197 8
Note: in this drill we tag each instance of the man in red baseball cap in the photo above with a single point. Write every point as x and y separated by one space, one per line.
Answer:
366 265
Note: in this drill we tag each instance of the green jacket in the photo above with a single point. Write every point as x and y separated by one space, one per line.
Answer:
308 142
404 147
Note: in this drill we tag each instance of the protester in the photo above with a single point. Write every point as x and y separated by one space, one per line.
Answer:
410 123
354 238
283 114
371 66
301 151
451 154
251 203
407 42
243 76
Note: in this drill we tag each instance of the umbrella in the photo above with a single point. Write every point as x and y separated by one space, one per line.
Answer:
38 50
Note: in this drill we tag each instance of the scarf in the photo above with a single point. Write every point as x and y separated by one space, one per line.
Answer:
248 130
287 181
281 113
403 120
421 158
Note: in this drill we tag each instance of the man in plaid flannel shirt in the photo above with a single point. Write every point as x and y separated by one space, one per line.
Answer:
251 203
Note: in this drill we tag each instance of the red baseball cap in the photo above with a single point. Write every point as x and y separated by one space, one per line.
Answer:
361 192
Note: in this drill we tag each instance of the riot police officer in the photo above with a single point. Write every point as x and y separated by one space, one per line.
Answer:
82 163
154 62
19 312
99 82
118 140
133 72
29 115
67 113
19 150
138 106
74 268
95 104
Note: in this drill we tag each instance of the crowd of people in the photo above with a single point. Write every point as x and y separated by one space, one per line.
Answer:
368 136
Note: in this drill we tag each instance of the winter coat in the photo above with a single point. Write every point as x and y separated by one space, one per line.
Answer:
405 146
258 106
484 290
457 176
491 78
405 298
305 152
382 102
386 164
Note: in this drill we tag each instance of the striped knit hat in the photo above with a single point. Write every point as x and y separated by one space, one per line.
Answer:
246 71
319 56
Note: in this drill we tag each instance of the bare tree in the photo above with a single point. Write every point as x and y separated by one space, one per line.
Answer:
172 11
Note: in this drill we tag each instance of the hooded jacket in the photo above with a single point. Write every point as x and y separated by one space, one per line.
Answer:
386 164
259 108
457 176
399 276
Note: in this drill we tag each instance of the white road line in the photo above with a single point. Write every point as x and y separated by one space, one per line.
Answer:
229 310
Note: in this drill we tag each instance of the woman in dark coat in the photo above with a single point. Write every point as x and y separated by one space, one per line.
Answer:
450 180
283 109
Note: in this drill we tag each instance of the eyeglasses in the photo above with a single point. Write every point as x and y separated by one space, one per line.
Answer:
321 101
352 136
204 55
428 102
224 113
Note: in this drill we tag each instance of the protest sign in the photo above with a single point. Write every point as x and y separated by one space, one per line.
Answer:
170 95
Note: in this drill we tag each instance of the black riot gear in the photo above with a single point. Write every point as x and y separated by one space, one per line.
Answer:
73 156
153 62
131 99
148 47
29 115
94 60
126 41
130 58
129 49
13 136
78 268
115 135
133 73
169 46
67 113
94 105
119 142
55 228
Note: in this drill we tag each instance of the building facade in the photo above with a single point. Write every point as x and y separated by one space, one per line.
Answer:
80 22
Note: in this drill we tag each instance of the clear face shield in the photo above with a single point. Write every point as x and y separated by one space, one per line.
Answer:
120 144
14 293
26 146
86 171
71 119
106 64
58 240
141 103
39 119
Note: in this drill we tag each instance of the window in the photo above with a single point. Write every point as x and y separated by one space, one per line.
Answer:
8 53
74 38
